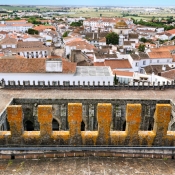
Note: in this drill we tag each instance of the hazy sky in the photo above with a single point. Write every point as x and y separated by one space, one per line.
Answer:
94 2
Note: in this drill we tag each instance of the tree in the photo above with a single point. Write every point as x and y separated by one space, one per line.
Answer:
141 48
77 24
112 38
65 34
32 32
115 80
144 40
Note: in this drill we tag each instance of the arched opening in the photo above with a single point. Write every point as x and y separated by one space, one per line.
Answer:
150 128
55 125
82 126
124 126
29 126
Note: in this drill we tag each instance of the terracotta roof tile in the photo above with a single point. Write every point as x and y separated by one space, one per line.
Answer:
163 54
118 64
156 69
169 74
163 48
99 64
123 73
8 40
68 67
80 45
19 65
42 27
171 31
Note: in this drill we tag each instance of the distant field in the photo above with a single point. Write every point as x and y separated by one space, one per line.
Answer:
23 8
93 12
99 12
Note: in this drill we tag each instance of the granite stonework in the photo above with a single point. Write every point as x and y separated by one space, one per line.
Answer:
88 122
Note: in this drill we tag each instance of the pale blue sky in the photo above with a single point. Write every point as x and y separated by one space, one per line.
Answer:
94 2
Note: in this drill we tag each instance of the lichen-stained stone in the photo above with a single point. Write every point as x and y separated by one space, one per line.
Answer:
75 119
15 119
133 120
104 117
45 120
162 118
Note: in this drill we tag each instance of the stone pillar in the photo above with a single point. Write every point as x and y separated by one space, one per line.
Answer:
104 118
45 120
15 119
74 120
133 120
162 118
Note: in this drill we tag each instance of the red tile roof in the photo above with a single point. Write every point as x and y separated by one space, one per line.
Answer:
21 65
123 73
163 48
69 67
161 54
34 65
169 74
118 64
99 64
171 31
42 27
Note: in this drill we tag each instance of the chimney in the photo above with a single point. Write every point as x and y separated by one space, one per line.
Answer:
163 68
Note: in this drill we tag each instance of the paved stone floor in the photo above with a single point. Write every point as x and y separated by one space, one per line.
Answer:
7 95
88 166
92 165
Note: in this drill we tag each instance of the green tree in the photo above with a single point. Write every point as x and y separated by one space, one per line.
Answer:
144 40
32 32
77 24
115 80
112 38
65 34
141 48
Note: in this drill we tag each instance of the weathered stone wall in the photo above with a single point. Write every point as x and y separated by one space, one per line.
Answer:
132 136
89 112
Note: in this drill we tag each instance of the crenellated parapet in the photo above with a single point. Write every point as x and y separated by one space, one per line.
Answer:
132 136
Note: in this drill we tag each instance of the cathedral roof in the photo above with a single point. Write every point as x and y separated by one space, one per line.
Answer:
121 24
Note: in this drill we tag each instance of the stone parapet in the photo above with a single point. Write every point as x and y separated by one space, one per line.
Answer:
132 136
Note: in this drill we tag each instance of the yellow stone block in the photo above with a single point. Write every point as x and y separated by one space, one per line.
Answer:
45 113
74 112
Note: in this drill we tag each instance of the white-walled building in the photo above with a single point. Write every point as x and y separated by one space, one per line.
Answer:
15 26
141 60
102 23
78 44
53 70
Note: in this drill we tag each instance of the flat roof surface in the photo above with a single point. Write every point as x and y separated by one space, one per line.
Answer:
88 165
6 95
93 71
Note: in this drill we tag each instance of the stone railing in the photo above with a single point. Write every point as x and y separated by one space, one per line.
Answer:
132 136
86 85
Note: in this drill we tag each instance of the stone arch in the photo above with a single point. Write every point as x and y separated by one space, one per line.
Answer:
55 125
124 126
150 128
28 126
83 126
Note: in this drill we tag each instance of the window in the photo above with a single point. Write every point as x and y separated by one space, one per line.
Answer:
144 62
137 64
157 61
167 61
150 61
